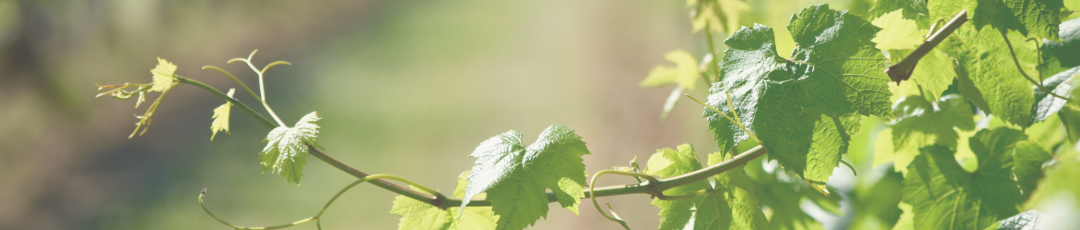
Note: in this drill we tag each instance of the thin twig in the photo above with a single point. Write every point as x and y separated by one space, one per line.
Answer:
1021 69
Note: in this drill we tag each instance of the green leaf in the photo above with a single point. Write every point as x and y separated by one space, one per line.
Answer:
163 76
1061 84
675 214
988 74
897 32
911 9
685 72
731 204
1031 18
1060 56
802 110
419 215
922 123
287 148
515 177
221 117
1029 157
945 196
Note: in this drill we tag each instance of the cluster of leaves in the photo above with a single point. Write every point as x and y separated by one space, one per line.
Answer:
959 123
287 147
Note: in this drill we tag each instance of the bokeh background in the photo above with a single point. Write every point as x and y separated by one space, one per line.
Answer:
405 87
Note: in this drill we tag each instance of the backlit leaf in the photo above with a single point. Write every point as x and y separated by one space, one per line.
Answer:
221 117
803 110
897 32
163 76
996 85
685 72
287 148
515 177
945 196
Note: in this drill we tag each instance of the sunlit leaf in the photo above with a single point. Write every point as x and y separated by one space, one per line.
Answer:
516 177
805 109
685 72
163 76
989 76
897 32
287 148
945 196
221 117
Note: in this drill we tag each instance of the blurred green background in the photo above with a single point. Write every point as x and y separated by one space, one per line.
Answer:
405 87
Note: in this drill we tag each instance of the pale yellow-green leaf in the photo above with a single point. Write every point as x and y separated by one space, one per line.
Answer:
685 72
221 117
163 76
897 32
720 15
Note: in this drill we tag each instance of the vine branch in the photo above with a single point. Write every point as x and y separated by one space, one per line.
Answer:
902 70
439 200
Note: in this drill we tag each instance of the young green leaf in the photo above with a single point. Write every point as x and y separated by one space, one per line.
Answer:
1061 84
163 76
287 148
1029 157
803 109
731 204
221 117
945 196
419 215
897 32
988 74
685 72
515 177
675 214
